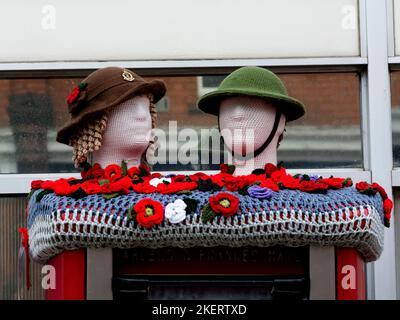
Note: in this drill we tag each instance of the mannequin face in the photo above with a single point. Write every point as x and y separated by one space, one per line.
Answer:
128 127
255 115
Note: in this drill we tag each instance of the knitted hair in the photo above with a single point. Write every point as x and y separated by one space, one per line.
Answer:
89 137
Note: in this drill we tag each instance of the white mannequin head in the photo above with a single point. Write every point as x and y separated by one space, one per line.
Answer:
255 116
127 134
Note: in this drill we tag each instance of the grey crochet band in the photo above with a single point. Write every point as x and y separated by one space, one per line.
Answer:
343 218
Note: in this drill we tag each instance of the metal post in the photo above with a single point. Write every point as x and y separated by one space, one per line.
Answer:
379 135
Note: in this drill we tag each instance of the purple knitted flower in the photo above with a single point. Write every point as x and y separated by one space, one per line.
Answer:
258 192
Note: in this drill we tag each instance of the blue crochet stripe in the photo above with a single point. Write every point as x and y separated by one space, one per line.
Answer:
333 200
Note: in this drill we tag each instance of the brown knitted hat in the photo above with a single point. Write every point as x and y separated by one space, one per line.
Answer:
101 90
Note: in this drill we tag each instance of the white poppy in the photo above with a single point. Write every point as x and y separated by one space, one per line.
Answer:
175 212
156 181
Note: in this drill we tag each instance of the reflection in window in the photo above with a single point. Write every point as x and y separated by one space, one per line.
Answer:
395 94
31 111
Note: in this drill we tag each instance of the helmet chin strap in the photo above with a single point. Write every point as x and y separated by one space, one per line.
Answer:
244 156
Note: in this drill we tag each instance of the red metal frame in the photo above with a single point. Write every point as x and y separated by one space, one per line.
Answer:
350 275
70 269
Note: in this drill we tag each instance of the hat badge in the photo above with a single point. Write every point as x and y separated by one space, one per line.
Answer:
126 75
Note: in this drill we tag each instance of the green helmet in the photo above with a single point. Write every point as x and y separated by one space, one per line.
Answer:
253 82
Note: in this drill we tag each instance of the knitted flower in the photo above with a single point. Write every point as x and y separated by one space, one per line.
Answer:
258 192
95 172
334 183
112 172
365 188
77 96
134 173
36 184
269 169
148 212
175 212
224 203
387 209
313 186
156 181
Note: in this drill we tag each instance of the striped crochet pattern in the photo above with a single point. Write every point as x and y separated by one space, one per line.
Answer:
343 218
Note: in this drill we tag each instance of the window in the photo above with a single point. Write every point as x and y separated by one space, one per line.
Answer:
395 96
328 136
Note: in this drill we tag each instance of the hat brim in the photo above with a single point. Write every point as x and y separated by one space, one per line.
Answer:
292 108
155 87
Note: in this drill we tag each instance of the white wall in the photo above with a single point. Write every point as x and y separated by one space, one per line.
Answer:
176 29
396 10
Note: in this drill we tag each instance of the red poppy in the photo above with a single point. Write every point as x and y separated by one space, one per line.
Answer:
289 182
387 208
36 184
334 183
268 183
199 175
134 173
97 172
143 187
269 169
312 186
361 186
144 169
73 95
219 178
155 175
224 168
63 188
224 203
175 187
381 191
112 172
91 187
233 183
278 175
149 212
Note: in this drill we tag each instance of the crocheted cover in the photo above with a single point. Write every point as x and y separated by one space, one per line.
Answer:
342 218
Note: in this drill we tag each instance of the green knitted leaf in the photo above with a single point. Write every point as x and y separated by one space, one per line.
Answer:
41 194
243 191
143 172
82 86
280 165
184 192
136 181
207 214
131 216
306 177
124 168
191 205
258 171
347 183
102 182
231 168
109 196
386 222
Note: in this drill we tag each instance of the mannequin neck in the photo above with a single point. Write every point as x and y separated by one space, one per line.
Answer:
107 156
269 155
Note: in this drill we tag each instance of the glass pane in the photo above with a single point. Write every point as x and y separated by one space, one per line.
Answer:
31 111
395 94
